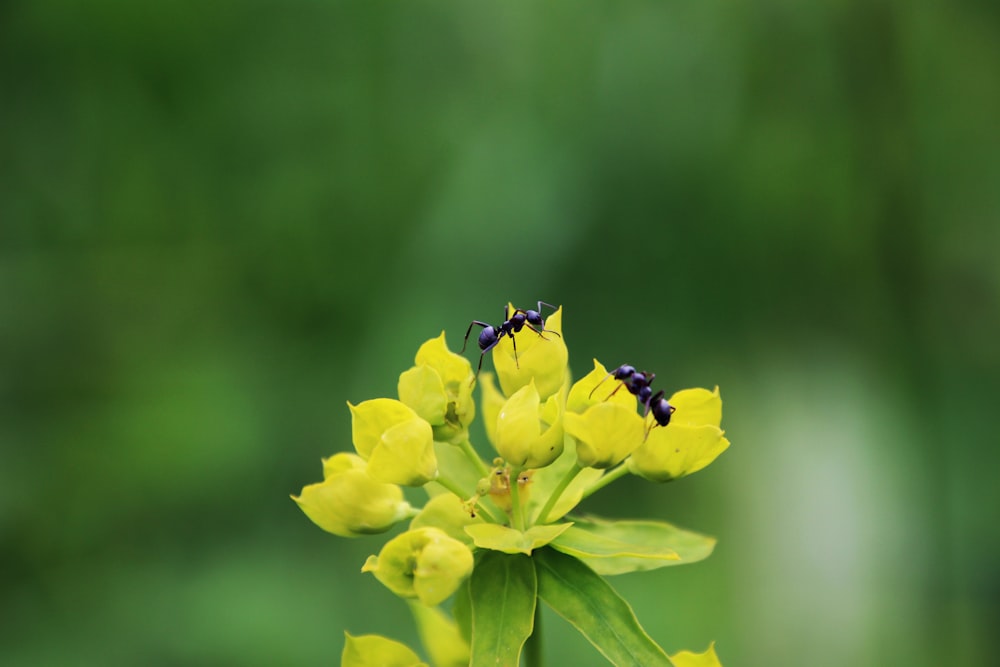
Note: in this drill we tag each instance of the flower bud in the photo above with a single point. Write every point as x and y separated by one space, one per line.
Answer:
424 563
439 389
397 444
529 434
688 443
541 358
377 651
348 502
448 513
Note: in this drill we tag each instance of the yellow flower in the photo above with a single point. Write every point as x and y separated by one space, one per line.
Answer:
540 358
397 444
688 443
439 389
529 433
423 563
348 502
602 421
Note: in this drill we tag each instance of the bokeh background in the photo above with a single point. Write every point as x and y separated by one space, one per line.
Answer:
220 221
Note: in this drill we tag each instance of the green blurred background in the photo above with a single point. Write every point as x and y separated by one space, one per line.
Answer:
220 221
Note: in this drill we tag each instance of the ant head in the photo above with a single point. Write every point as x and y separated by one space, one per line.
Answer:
534 317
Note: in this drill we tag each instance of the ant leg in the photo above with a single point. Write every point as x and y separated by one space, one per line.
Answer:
469 331
591 394
645 414
487 349
514 343
620 385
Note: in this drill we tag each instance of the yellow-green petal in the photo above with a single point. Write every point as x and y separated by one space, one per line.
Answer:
405 454
377 651
370 419
597 387
697 407
526 436
675 451
443 564
513 541
605 434
540 358
421 389
689 659
450 366
340 462
350 503
493 402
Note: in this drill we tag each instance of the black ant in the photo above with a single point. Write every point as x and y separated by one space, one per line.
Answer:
512 324
637 384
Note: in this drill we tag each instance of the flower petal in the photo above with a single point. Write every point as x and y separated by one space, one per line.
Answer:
450 366
605 434
595 387
405 454
492 401
377 651
696 407
370 419
675 451
689 659
351 503
421 389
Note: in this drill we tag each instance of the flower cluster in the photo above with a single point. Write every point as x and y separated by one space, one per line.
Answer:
555 443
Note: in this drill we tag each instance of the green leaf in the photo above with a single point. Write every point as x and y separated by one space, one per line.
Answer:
585 599
440 636
653 536
502 591
586 544
512 541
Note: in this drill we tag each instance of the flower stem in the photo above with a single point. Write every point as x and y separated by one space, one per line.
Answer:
516 511
457 490
564 483
470 452
606 479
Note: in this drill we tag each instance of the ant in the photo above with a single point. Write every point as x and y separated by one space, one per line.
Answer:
512 324
637 384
